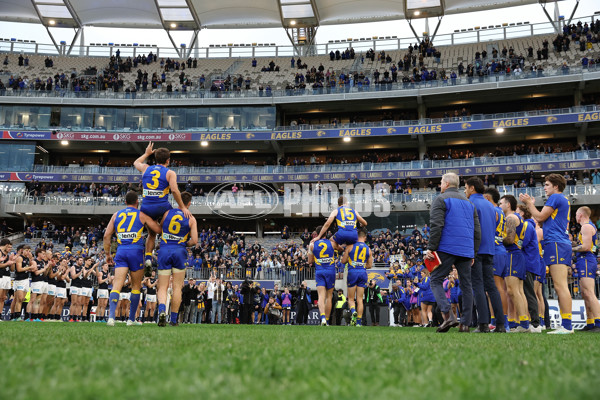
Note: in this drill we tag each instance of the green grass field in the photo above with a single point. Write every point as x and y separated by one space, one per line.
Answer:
93 361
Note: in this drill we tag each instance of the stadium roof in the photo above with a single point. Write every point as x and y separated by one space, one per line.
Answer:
201 14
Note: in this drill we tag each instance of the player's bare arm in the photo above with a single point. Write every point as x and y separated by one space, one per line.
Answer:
511 229
172 179
326 226
360 219
193 233
150 223
110 229
346 254
140 163
587 232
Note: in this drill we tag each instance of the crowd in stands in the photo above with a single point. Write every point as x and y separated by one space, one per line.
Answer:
409 68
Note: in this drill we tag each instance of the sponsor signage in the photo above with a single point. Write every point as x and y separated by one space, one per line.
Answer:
454 126
424 173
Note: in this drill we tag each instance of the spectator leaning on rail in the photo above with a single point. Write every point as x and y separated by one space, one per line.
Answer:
455 235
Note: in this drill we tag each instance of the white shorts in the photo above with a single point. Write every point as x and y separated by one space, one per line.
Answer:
103 293
45 288
124 296
61 292
37 287
85 291
51 290
75 290
22 285
151 298
5 282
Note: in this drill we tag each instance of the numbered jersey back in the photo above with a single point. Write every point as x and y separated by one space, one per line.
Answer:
176 228
346 218
500 226
155 185
324 254
129 228
359 255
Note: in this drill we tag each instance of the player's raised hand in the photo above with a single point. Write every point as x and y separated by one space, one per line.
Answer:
149 149
525 198
186 212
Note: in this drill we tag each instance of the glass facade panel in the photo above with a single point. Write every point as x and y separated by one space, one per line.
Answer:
136 119
16 157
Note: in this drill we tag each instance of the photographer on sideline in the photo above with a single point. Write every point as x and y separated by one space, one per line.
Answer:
302 304
273 310
373 297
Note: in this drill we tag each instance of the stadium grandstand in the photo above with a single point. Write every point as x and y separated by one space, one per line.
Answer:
302 123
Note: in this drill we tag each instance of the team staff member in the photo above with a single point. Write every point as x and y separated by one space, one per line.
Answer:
455 234
128 224
374 299
557 247
7 264
482 273
104 279
531 250
500 256
345 218
179 232
157 181
587 267
516 273
359 259
321 254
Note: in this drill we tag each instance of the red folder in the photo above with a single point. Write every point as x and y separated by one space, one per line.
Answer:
433 264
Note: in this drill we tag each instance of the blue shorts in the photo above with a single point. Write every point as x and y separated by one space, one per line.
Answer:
541 276
516 264
587 266
557 253
357 277
325 277
155 210
129 257
345 237
454 298
172 257
500 264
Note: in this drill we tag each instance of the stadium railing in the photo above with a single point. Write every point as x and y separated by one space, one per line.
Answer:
421 195
309 91
482 161
468 35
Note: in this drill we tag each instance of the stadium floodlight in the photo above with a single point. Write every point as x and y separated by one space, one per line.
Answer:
423 8
64 142
52 22
173 25
499 130
204 143
347 139
293 22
